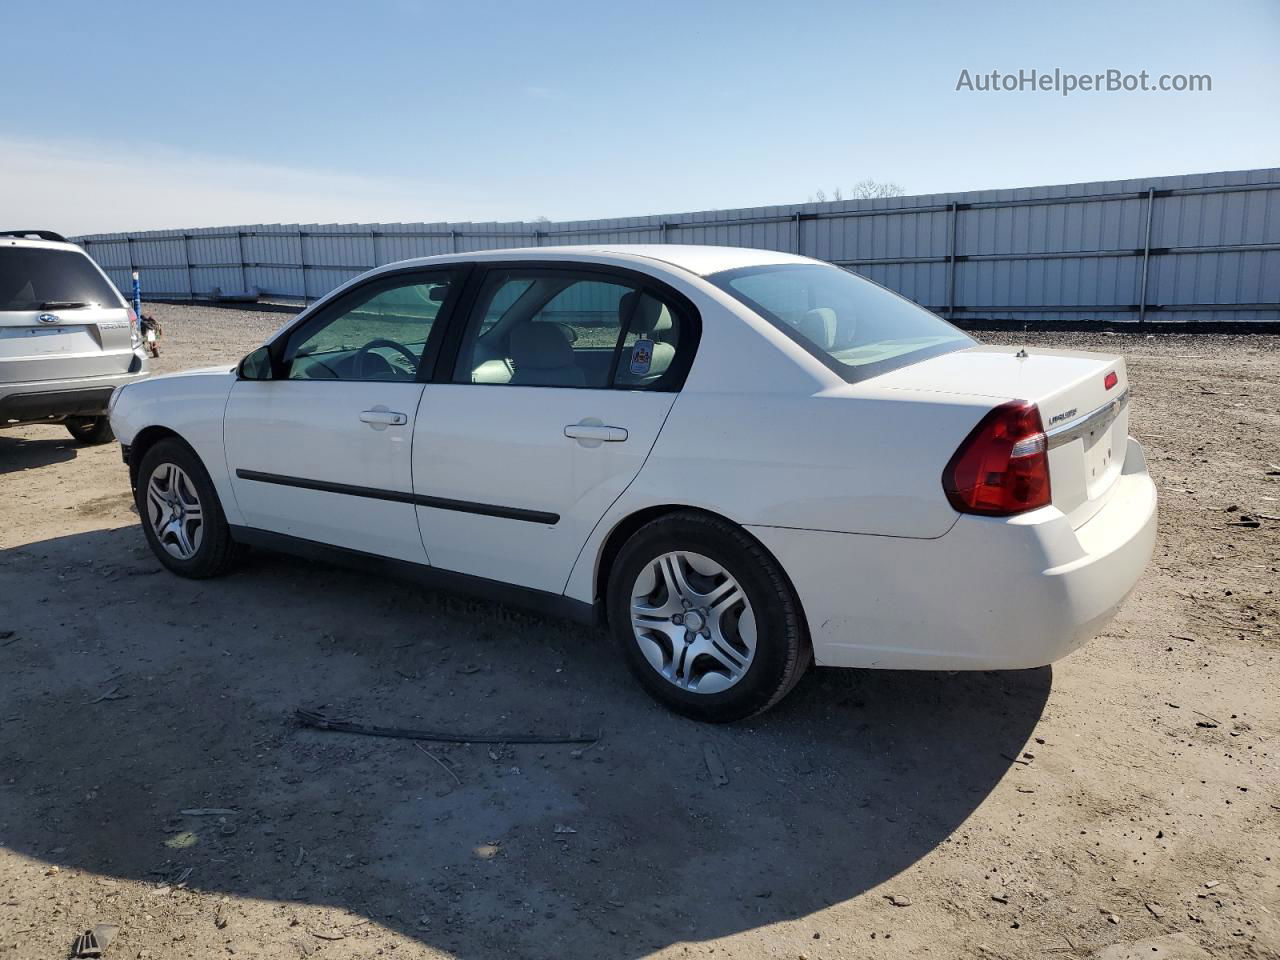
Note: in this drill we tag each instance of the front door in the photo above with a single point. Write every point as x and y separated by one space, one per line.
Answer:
322 450
562 383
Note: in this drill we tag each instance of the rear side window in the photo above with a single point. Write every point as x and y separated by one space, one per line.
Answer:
36 278
857 328
556 328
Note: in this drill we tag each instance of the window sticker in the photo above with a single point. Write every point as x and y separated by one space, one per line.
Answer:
641 357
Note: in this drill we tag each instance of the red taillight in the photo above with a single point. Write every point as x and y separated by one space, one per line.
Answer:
134 332
1002 467
1111 380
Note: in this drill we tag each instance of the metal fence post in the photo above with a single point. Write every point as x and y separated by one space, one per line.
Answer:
1146 260
953 215
128 252
799 235
302 267
186 256
244 284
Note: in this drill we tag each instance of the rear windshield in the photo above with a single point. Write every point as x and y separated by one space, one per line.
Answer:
38 278
856 327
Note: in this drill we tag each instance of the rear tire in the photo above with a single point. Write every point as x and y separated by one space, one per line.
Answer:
90 431
181 514
706 619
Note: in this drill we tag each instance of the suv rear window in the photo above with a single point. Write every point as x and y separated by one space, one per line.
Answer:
856 327
38 278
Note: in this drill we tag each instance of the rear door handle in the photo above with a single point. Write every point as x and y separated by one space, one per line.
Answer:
380 418
598 432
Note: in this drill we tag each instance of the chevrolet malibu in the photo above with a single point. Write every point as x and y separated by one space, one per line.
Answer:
743 462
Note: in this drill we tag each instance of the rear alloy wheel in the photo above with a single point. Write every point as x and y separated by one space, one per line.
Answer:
90 430
181 515
692 622
705 618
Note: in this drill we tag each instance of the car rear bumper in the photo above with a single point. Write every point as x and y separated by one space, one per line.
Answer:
991 593
40 400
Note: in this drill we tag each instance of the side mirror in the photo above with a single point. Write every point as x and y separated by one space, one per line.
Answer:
256 366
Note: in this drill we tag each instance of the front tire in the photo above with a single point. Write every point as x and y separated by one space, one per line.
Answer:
181 515
705 618
90 431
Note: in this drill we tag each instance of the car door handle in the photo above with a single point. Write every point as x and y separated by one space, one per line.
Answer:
597 432
382 417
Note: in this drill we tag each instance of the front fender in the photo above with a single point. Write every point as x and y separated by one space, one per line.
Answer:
190 405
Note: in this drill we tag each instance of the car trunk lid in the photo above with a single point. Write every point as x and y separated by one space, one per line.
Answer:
1082 397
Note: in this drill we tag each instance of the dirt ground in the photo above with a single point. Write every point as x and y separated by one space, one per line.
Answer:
1129 792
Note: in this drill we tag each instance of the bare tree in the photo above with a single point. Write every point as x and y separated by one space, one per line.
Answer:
862 190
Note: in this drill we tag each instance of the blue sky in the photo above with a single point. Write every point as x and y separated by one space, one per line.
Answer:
132 115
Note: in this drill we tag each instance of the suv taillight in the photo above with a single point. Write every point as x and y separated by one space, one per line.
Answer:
1002 468
135 332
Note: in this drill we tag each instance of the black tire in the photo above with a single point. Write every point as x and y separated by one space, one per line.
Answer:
782 651
216 552
90 431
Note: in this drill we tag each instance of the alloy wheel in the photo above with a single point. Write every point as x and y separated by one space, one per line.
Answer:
693 622
174 511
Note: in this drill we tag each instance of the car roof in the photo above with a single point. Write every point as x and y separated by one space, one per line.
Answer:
695 259
31 242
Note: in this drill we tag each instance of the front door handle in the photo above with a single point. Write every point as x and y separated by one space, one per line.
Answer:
380 418
598 432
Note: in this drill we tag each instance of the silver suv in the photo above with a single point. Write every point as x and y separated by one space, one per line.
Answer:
67 337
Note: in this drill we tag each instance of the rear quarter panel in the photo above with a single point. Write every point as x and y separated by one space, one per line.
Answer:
844 461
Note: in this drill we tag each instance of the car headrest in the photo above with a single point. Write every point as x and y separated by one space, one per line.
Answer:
651 315
819 325
538 345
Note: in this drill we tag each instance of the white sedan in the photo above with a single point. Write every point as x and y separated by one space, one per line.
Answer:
742 461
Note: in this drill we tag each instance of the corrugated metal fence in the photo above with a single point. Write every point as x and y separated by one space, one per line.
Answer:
1204 247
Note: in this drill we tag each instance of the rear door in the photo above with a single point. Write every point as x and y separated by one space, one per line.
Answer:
60 317
321 451
562 382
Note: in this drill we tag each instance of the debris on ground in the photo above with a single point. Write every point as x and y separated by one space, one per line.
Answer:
93 943
318 721
443 766
899 901
714 766
1176 946
112 694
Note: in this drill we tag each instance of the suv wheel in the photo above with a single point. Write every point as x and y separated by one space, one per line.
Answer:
181 514
705 618
90 430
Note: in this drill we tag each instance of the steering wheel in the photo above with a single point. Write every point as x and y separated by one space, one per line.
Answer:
363 353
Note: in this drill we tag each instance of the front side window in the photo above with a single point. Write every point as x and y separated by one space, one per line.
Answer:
856 327
380 332
551 328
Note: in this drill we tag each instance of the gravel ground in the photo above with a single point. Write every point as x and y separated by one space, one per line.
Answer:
1129 792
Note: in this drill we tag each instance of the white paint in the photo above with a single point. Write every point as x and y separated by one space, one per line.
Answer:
842 482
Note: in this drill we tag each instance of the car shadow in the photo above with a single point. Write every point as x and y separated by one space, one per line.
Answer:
132 695
18 453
